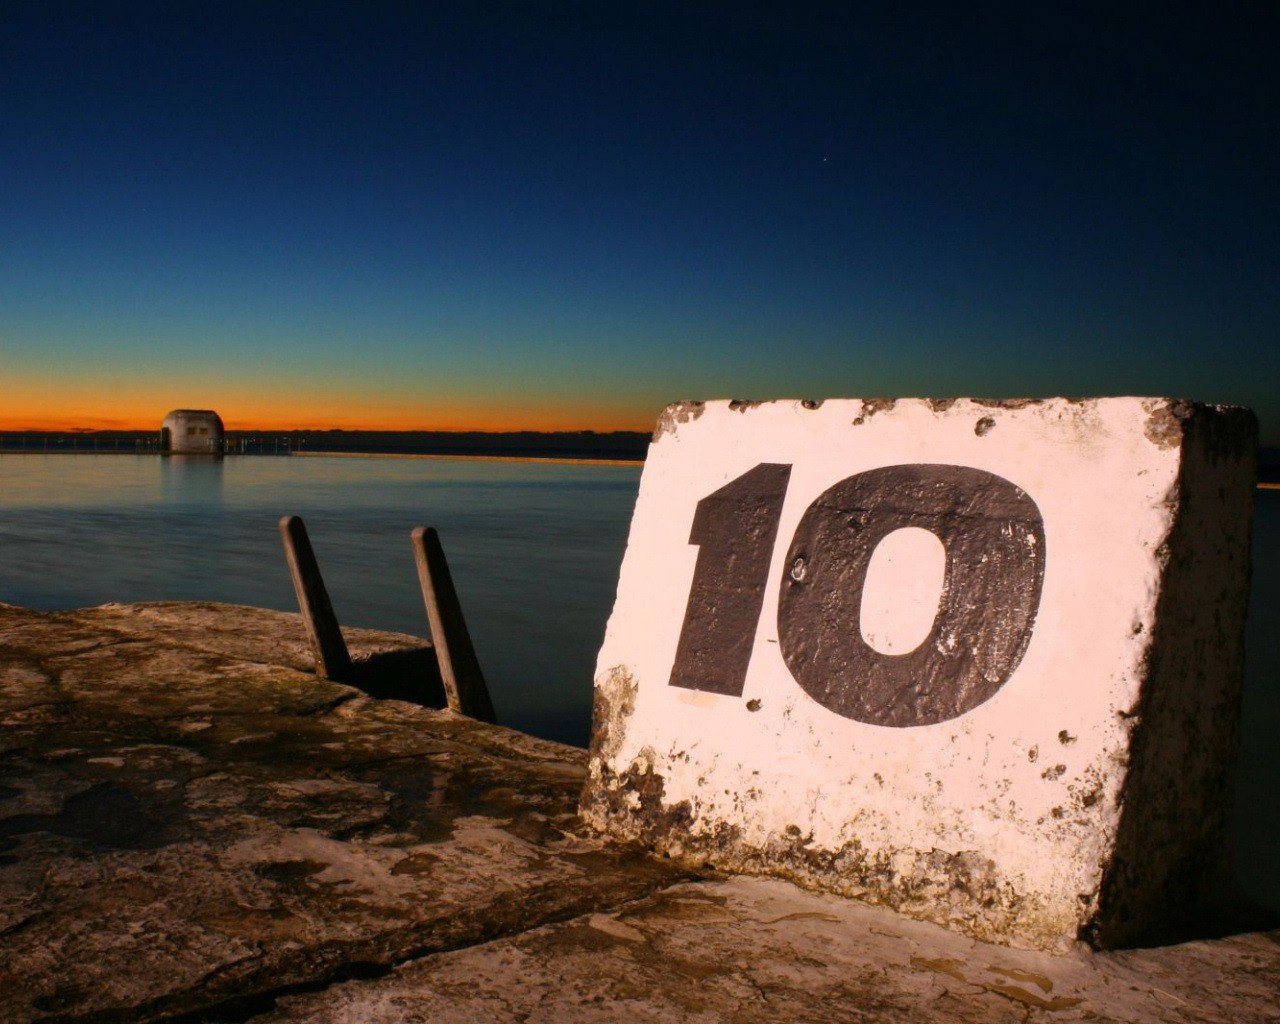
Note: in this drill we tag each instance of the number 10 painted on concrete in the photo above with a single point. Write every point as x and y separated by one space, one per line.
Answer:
993 535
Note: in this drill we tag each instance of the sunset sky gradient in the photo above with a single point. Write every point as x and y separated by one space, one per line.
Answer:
563 216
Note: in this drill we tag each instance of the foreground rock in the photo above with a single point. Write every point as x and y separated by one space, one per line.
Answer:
190 823
753 950
194 828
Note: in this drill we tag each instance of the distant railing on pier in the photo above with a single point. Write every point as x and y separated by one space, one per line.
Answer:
97 441
622 447
123 442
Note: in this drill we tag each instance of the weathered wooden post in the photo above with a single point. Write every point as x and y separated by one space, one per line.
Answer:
332 659
978 661
464 684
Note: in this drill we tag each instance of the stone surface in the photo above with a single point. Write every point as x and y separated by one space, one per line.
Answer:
759 950
188 823
192 829
977 661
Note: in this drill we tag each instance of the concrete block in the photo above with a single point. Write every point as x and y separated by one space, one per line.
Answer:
976 661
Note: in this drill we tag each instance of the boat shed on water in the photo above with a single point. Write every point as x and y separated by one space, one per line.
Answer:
193 431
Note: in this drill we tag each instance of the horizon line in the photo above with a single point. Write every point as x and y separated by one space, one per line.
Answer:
325 430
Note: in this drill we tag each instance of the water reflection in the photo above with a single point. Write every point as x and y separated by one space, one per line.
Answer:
192 479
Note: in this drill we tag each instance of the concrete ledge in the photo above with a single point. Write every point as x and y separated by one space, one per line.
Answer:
756 951
188 824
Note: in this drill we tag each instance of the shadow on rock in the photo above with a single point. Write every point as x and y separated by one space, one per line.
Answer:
411 675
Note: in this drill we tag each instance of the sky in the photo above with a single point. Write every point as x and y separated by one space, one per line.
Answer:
565 216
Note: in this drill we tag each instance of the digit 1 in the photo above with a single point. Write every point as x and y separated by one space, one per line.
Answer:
734 529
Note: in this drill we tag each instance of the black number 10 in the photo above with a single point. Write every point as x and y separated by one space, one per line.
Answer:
995 554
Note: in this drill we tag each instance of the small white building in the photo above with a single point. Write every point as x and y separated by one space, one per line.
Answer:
193 431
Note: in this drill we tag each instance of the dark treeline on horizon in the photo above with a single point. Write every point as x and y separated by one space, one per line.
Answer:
584 444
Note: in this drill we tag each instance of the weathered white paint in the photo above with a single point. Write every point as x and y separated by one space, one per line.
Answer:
1004 820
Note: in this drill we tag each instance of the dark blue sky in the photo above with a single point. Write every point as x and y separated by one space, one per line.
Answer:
567 215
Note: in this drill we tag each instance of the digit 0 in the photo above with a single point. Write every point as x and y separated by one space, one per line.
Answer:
994 538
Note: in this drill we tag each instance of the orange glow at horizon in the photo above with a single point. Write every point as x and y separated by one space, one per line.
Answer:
144 413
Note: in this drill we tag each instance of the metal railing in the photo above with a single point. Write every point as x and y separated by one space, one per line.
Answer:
140 444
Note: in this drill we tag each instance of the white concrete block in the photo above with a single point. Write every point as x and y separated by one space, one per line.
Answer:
979 661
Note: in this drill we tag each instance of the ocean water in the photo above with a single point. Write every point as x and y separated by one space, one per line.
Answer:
534 549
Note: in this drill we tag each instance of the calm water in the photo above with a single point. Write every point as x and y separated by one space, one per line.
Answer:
535 551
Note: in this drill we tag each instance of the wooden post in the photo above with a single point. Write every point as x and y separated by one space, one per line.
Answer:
464 684
332 659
